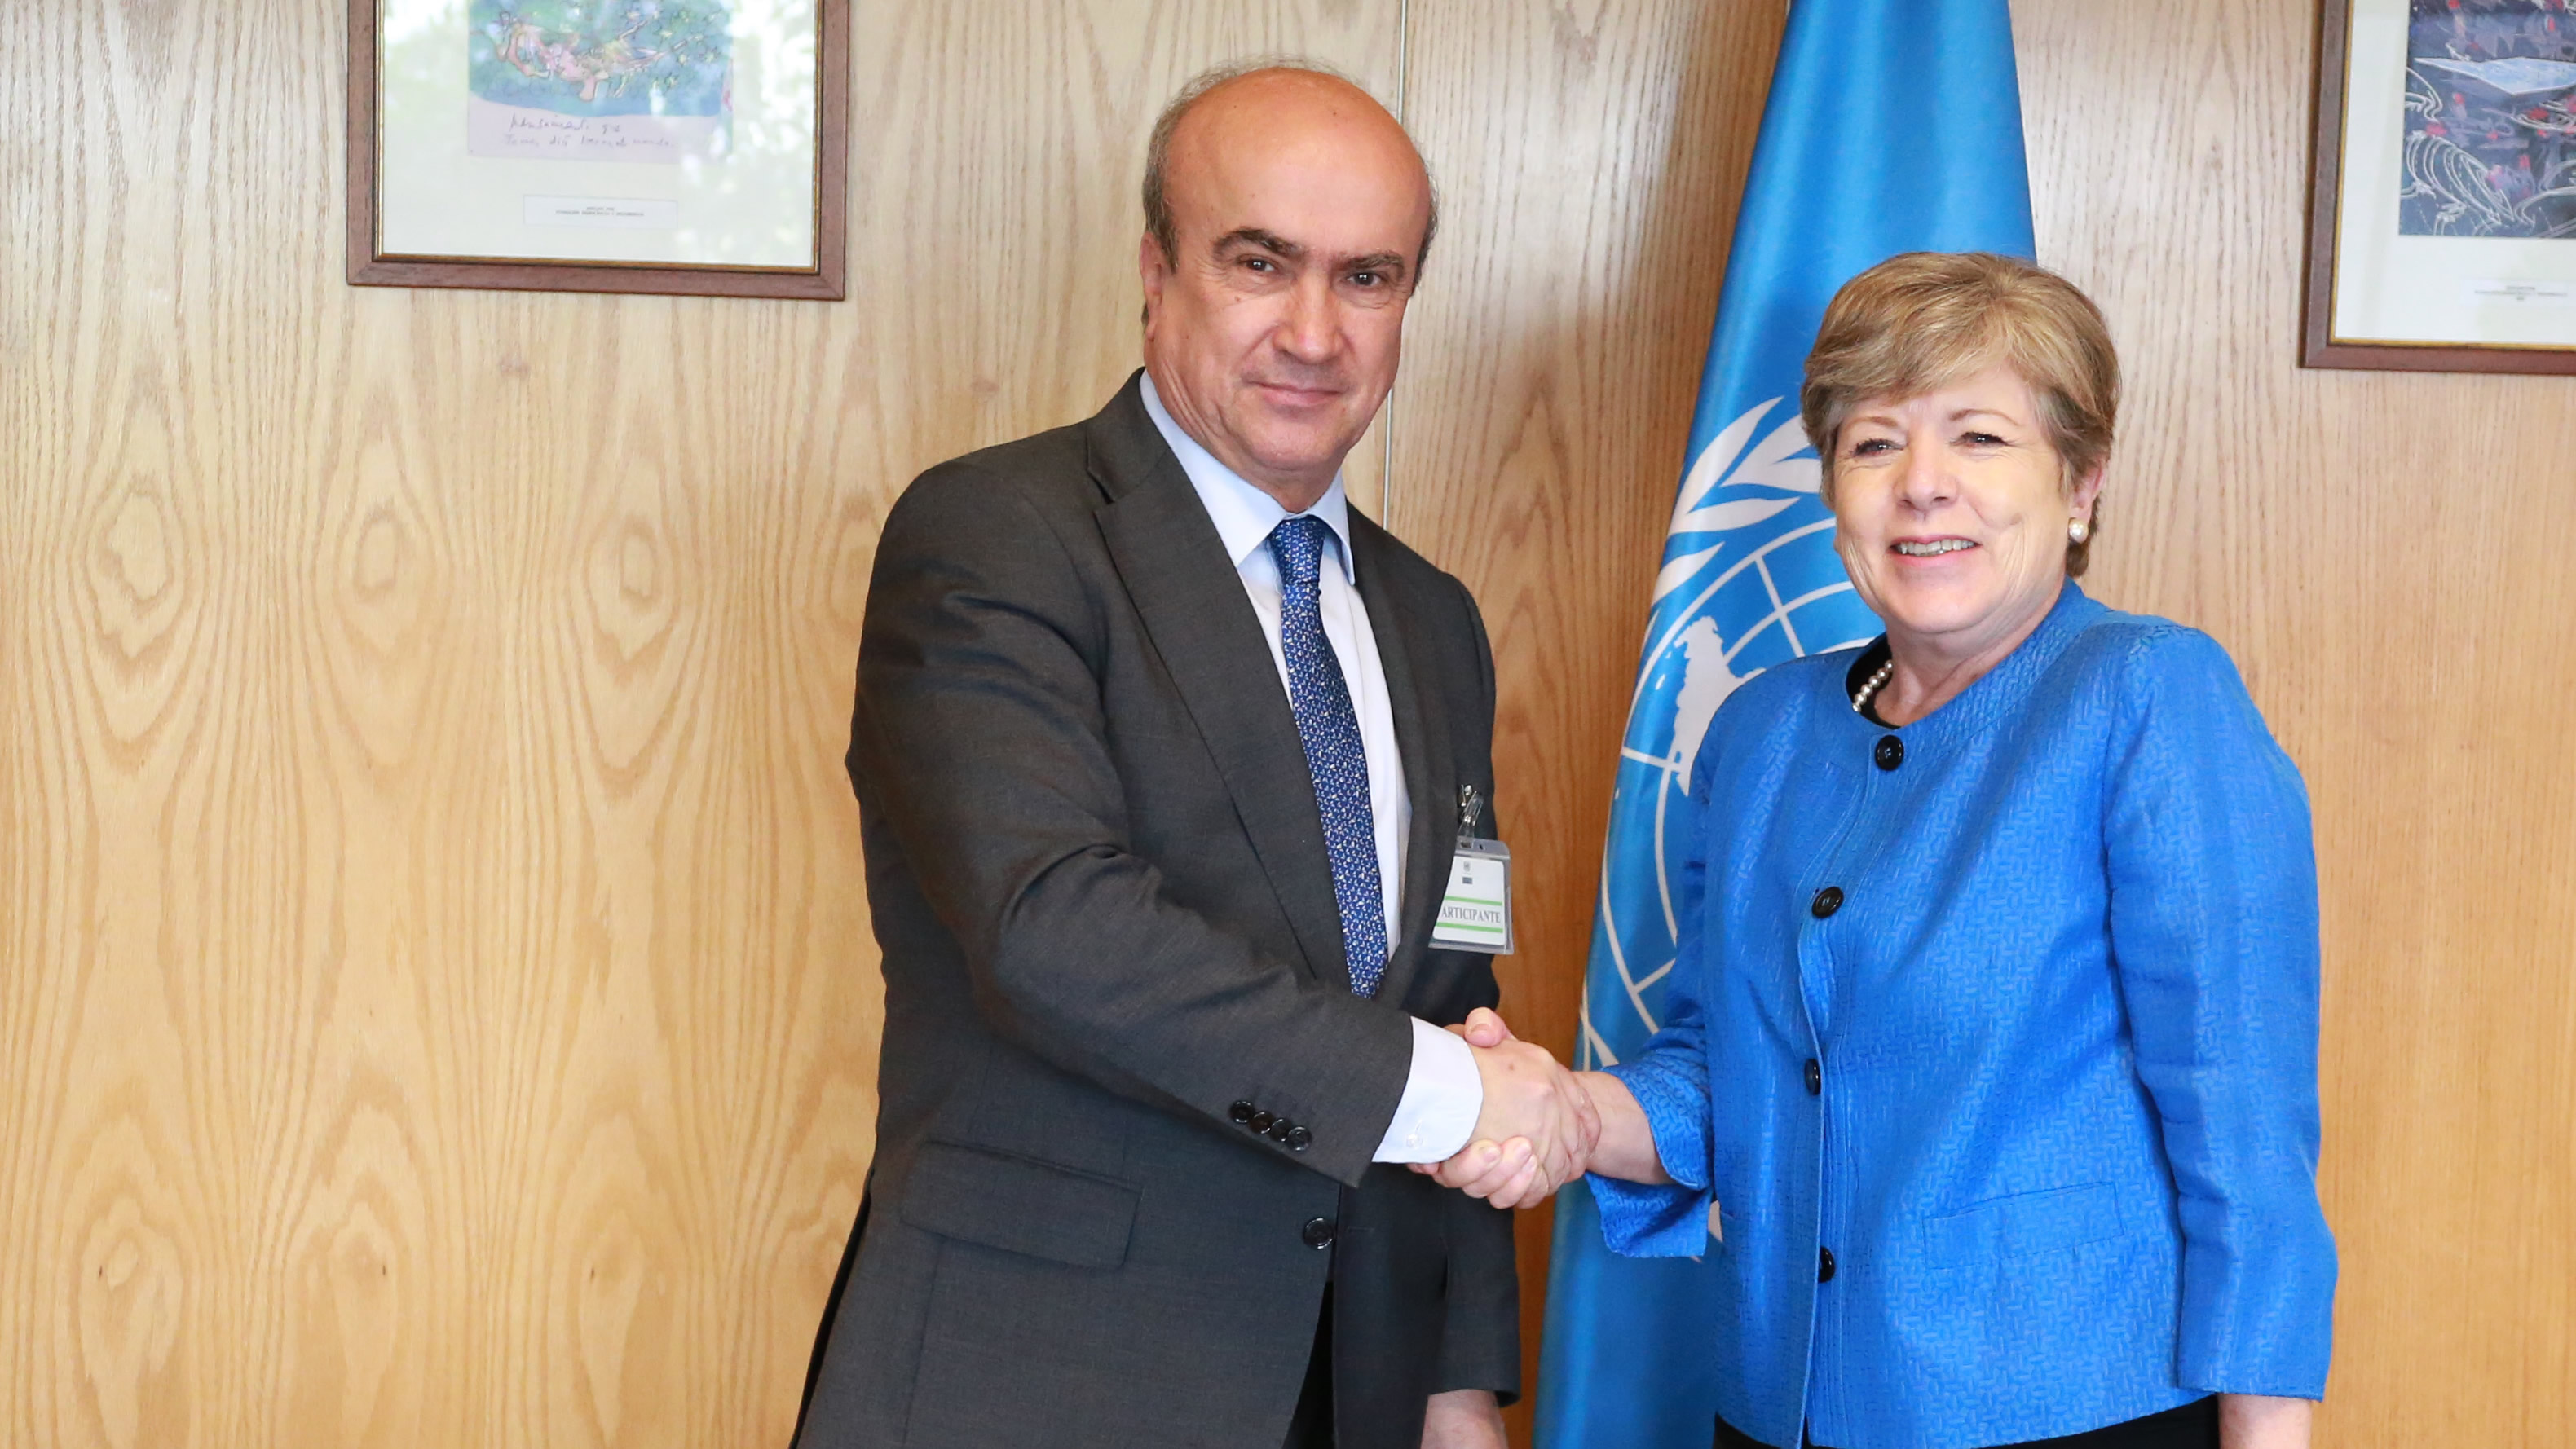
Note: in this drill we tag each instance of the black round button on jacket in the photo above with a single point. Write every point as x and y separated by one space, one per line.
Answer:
1297 1139
1261 1121
1828 901
1241 1112
1890 752
1815 1076
1318 1233
1824 1264
1282 1130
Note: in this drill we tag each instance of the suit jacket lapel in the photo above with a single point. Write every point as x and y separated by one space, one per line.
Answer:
1422 736
1192 602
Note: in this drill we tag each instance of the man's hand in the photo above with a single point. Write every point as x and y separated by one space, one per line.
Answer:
1538 1126
1464 1419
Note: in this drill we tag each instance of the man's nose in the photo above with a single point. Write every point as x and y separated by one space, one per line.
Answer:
1311 331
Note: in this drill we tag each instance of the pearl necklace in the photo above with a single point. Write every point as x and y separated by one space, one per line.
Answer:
1870 687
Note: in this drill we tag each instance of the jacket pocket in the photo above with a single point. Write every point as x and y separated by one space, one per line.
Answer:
1020 1205
2025 1223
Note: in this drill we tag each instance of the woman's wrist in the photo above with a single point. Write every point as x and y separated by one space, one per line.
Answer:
2260 1421
1626 1149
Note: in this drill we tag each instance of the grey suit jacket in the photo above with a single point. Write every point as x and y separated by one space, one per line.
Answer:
1098 876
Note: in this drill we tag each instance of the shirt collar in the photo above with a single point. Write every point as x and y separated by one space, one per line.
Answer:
1244 515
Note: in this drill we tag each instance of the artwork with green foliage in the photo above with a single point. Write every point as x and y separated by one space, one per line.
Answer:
602 57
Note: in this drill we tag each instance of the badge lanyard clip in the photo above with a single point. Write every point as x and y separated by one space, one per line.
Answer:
1476 911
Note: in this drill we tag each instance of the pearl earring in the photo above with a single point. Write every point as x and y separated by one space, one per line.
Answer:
2078 530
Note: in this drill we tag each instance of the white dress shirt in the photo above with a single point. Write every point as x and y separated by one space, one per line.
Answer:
1443 1093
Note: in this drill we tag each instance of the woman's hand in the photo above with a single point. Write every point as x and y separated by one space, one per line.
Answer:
2258 1421
1509 1175
1627 1146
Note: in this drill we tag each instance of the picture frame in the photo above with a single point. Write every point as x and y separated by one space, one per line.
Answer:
689 147
2442 204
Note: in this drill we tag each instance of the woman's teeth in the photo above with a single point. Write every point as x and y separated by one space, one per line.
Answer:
1912 549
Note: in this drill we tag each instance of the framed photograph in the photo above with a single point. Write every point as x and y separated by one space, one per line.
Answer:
2442 221
677 146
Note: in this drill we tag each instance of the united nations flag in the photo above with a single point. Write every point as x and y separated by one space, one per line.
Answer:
1892 126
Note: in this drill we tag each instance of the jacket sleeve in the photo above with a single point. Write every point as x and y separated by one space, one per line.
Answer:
981 733
2213 929
1480 1342
1670 1081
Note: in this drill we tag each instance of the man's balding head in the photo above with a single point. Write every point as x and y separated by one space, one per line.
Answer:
1319 83
1287 215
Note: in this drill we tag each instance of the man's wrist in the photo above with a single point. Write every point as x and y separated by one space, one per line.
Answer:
1444 1094
1463 1419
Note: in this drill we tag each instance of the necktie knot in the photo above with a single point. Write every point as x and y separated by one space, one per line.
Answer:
1298 544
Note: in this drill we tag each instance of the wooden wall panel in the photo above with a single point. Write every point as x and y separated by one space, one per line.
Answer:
436 1004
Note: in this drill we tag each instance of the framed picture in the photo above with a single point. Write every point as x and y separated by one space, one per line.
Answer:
2442 222
688 146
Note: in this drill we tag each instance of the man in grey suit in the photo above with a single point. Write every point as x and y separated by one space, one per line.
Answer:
1161 752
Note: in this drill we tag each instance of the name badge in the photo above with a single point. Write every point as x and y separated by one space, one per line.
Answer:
1476 911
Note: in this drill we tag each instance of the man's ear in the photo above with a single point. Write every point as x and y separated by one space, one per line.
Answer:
1152 267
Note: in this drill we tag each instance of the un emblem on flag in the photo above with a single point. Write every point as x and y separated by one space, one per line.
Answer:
1750 579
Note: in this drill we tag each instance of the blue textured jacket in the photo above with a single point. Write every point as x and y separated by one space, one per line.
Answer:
2016 1020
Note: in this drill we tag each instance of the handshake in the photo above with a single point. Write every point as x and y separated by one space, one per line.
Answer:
1541 1125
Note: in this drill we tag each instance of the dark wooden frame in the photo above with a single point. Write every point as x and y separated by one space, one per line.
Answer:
2334 59
823 282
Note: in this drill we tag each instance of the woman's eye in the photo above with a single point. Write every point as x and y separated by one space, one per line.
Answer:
1981 440
1869 447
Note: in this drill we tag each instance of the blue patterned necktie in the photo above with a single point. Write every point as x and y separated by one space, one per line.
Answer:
1335 757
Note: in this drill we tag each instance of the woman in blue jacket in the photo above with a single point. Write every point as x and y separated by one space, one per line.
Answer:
1989 1063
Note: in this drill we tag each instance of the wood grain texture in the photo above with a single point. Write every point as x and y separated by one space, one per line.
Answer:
436 1002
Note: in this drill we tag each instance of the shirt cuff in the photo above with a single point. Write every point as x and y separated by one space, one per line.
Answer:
1444 1094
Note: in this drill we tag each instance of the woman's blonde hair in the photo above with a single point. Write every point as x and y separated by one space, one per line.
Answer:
1926 320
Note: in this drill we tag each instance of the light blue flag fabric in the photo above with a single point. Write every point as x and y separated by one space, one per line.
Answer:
1893 126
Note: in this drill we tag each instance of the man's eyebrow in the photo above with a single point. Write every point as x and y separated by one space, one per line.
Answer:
1268 241
1390 263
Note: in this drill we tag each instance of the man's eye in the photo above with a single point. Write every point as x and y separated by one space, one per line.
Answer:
1260 264
1366 279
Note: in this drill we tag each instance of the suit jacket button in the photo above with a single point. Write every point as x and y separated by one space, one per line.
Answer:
1318 1233
1282 1130
1824 1265
1815 1077
1297 1139
1241 1112
1827 901
1890 752
1260 1121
